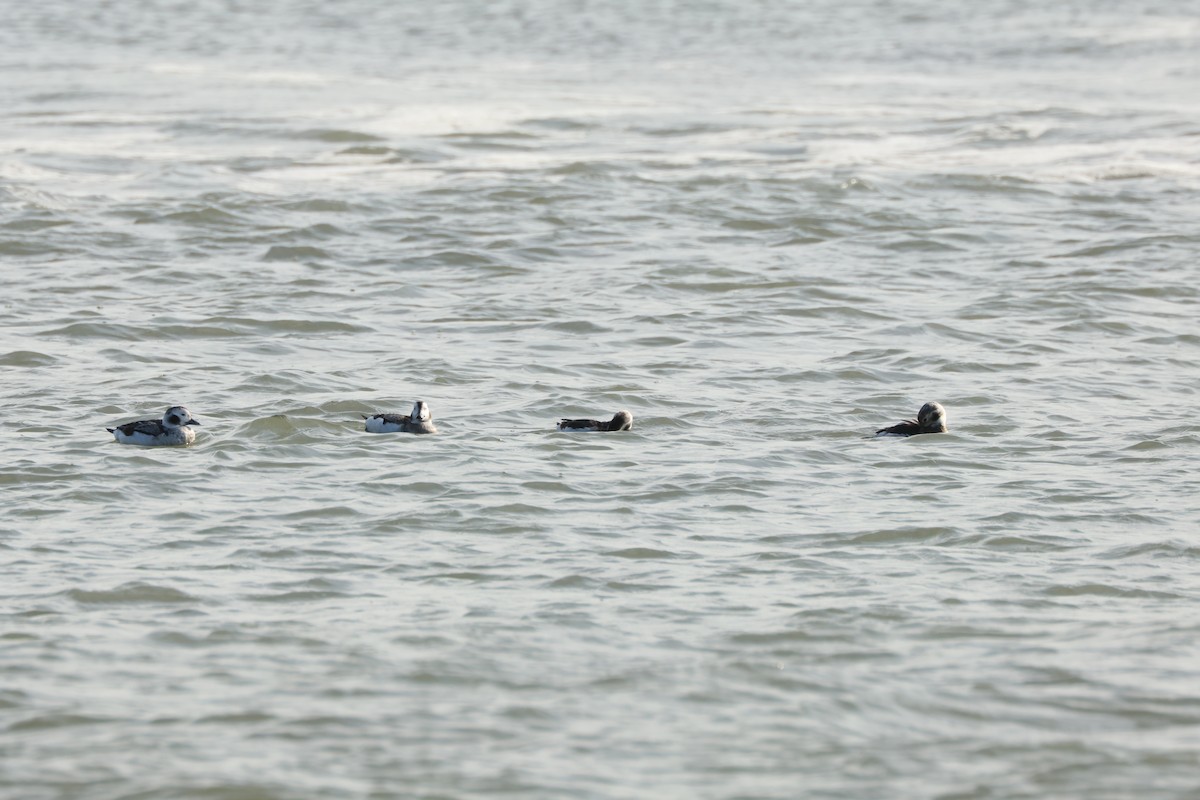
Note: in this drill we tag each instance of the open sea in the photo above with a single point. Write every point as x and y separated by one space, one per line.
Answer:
765 227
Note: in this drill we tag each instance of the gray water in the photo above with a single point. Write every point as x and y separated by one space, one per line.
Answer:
766 228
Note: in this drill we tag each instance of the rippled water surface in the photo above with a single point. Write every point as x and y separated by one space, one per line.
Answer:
766 228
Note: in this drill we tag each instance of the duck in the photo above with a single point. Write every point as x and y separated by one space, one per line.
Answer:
174 429
930 419
621 421
419 420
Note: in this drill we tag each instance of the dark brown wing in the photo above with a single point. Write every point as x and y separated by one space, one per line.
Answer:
150 427
907 428
582 425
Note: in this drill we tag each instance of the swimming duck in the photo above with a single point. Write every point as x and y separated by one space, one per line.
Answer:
930 419
621 421
418 421
173 429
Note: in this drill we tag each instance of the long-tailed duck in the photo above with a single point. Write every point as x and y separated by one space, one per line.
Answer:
621 421
419 421
930 419
173 429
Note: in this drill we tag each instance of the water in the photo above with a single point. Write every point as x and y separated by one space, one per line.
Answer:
765 228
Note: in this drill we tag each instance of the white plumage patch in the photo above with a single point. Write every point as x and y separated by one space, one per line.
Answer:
377 424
